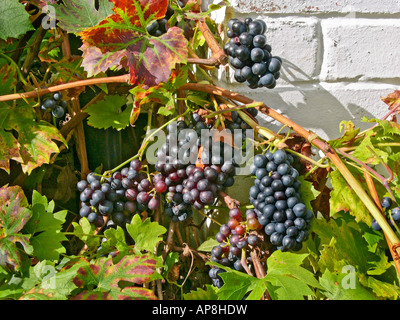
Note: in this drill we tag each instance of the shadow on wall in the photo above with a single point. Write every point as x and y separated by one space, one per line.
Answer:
303 100
313 106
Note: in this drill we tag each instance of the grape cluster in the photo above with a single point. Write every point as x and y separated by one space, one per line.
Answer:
277 202
56 105
159 27
392 214
127 192
193 174
234 237
250 54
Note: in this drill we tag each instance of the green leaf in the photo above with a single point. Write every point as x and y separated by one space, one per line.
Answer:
388 127
45 227
349 134
382 289
236 284
343 198
77 15
289 279
13 216
109 113
85 231
367 153
200 294
208 245
43 218
338 286
343 244
146 234
35 138
46 283
170 260
14 20
308 192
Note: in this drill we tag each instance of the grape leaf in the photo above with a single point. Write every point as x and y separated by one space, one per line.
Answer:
45 227
121 40
384 289
332 283
286 278
348 137
344 198
367 153
106 276
159 57
392 99
115 240
8 79
236 284
344 244
45 282
130 293
146 234
37 145
209 294
9 150
35 139
95 61
14 20
77 15
129 18
14 214
85 231
208 245
108 113
388 127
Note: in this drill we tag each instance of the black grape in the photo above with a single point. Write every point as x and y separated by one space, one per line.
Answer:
250 54
276 197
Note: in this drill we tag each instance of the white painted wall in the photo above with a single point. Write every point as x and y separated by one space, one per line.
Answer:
339 58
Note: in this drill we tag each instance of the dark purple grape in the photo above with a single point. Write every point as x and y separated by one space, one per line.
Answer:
143 197
81 185
153 204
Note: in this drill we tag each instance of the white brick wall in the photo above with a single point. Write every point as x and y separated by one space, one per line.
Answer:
339 58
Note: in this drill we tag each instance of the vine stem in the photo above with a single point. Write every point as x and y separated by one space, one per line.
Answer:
314 139
375 196
80 83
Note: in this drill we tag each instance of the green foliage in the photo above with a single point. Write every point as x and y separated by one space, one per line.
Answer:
108 113
14 20
77 15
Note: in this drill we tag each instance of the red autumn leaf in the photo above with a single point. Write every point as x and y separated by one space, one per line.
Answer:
159 57
103 34
122 41
392 99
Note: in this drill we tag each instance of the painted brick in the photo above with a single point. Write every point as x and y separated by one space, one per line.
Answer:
317 6
321 107
361 49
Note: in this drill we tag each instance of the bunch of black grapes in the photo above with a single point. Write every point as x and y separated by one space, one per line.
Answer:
235 236
392 214
277 200
250 54
194 172
127 192
55 104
